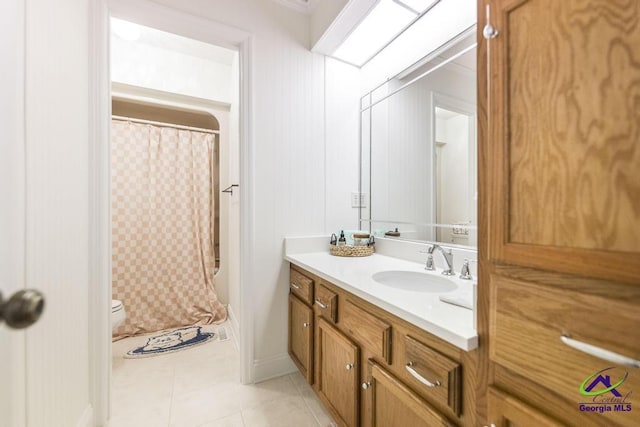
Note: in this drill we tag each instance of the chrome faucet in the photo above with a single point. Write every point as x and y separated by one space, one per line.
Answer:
465 273
448 258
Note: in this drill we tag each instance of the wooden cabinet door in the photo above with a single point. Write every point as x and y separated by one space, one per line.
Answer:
301 336
507 411
338 379
559 190
563 151
395 405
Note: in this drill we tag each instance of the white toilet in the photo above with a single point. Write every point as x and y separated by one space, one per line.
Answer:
117 313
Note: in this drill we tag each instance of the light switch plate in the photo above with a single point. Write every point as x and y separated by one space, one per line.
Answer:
358 200
363 200
355 200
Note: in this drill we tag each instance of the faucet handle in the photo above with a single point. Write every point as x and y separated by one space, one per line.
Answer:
430 264
465 273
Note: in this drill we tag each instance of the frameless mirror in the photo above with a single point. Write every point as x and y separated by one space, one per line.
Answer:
418 149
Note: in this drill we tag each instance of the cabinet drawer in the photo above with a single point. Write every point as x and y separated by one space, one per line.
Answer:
527 321
301 285
435 374
395 405
506 411
326 303
373 333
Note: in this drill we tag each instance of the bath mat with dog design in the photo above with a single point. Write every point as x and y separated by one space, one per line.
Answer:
176 340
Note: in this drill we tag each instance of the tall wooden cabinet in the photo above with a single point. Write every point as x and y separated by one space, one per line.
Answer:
559 214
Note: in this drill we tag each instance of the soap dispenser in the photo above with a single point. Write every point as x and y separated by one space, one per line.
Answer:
341 240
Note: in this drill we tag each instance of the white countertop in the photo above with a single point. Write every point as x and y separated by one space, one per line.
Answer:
449 322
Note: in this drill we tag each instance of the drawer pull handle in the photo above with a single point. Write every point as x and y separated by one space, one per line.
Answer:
294 285
423 380
599 352
365 386
305 325
320 304
348 366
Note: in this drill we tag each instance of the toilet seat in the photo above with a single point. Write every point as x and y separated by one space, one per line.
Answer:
116 306
118 313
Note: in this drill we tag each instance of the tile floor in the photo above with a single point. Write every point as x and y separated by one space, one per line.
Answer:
200 387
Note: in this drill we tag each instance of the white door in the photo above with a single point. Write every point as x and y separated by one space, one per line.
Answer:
44 199
12 372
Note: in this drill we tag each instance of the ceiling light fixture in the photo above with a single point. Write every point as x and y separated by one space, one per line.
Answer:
384 22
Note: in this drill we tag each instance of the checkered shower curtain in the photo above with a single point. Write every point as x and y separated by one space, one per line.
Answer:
162 213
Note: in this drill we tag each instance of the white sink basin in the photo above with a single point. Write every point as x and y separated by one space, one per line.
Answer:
415 281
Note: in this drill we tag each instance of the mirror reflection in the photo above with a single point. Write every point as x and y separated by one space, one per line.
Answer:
418 150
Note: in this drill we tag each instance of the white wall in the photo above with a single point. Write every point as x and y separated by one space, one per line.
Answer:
454 174
342 118
233 202
289 159
140 64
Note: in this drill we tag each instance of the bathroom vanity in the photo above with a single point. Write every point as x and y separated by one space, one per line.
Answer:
375 355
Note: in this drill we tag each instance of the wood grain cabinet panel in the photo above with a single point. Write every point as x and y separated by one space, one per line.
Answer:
301 285
338 382
301 336
428 364
326 302
507 411
564 130
368 329
395 405
527 322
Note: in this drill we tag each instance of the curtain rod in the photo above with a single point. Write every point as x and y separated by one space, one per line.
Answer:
171 125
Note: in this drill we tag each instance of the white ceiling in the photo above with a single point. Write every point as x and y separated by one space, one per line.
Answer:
468 60
168 41
304 6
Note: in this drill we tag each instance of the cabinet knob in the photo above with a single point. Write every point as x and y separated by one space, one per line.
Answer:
489 31
348 366
305 325
365 386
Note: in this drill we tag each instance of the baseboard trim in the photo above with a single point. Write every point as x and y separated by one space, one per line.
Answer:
235 326
86 420
272 367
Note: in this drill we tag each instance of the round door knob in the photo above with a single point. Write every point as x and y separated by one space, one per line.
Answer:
305 325
23 309
348 366
365 386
